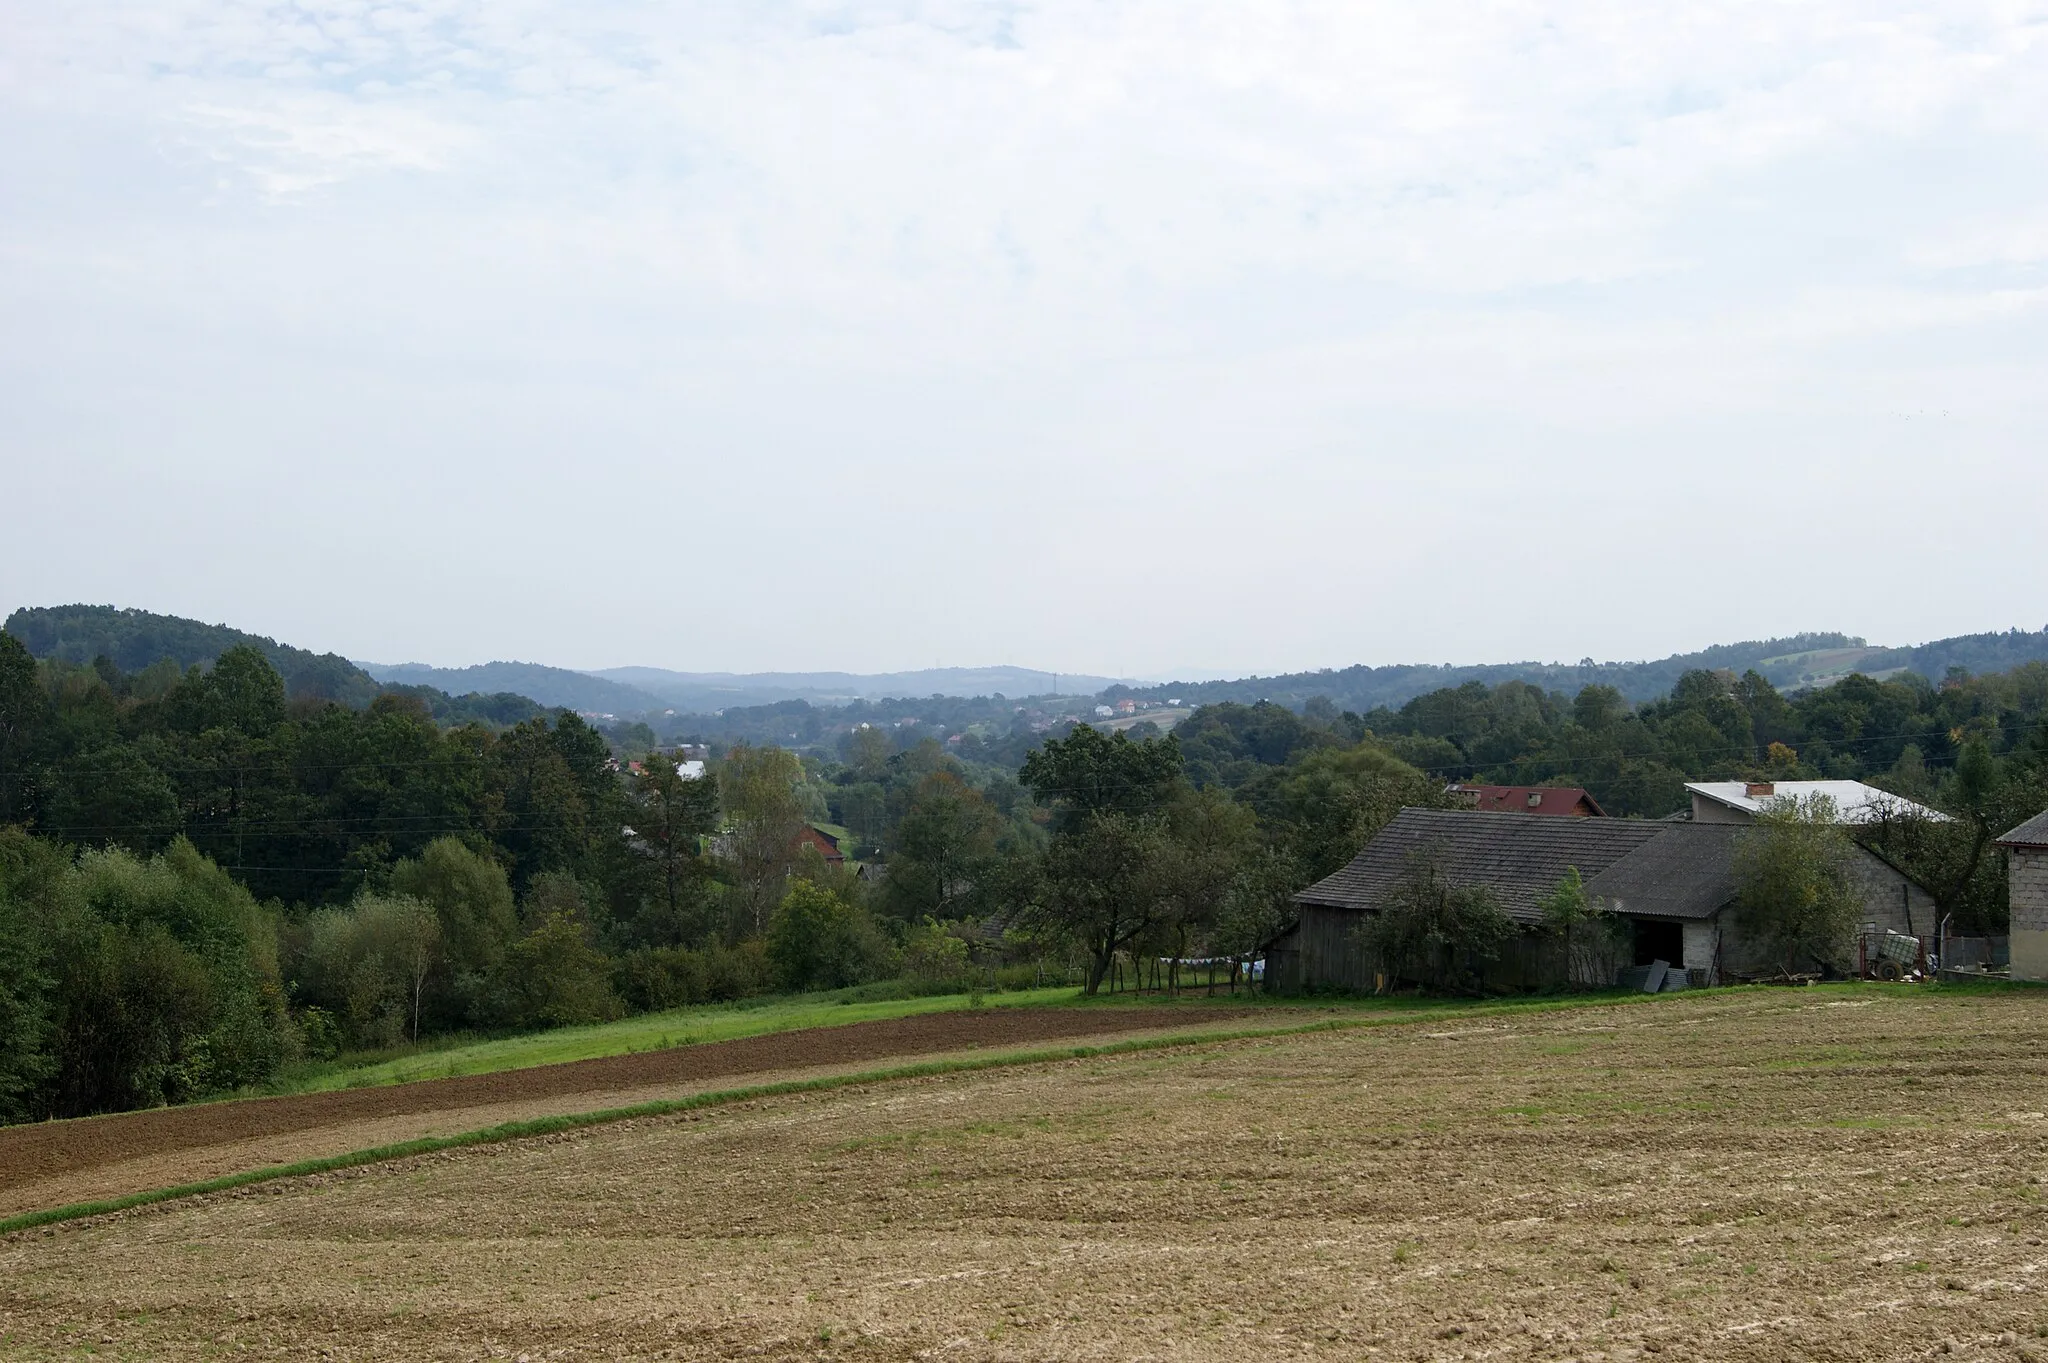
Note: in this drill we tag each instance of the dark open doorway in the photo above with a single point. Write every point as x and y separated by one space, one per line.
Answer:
1659 942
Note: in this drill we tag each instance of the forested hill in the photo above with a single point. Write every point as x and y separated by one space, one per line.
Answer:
1790 664
549 685
135 639
143 643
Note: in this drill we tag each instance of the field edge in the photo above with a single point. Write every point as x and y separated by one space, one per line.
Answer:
553 1125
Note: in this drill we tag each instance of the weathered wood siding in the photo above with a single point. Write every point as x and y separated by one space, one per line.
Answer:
1321 951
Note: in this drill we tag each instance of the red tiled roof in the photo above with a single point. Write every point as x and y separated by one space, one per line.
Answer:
1531 799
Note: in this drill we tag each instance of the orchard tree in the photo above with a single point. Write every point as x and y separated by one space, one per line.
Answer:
942 844
1105 882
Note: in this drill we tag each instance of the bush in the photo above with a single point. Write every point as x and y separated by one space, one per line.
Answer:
656 979
816 940
367 965
1433 932
934 953
1594 938
553 977
1795 894
158 982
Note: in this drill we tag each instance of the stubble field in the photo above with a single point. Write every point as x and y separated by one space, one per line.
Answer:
1849 1174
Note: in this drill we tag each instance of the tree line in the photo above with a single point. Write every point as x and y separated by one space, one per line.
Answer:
207 877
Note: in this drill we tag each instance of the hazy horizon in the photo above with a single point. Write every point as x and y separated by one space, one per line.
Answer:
1189 674
775 337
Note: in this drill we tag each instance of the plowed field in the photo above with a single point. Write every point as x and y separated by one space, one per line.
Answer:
52 1163
1774 1175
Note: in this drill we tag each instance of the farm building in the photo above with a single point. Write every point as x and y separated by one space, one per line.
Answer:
1672 881
1855 803
824 844
2027 888
1566 800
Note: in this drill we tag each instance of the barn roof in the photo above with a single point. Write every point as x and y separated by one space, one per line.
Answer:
1689 872
1518 856
2032 833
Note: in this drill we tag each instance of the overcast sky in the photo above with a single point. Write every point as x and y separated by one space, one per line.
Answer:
1106 336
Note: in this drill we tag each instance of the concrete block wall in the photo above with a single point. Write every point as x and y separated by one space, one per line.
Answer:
1892 901
1701 942
2028 887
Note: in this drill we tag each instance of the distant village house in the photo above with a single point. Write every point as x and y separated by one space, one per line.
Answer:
1570 801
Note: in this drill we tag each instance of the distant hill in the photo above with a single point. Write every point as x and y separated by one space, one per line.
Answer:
548 685
1791 664
503 692
719 690
133 639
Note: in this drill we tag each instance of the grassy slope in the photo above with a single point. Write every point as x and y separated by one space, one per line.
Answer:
648 1032
727 1021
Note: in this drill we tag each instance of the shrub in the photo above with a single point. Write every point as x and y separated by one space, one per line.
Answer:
1795 895
553 977
368 965
816 940
934 953
1594 938
158 981
1433 932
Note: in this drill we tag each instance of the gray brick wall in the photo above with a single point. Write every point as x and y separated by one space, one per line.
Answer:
2029 891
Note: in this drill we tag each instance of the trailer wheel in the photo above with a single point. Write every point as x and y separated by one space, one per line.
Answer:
1889 971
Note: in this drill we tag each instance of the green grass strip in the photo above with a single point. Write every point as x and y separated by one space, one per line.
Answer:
547 1126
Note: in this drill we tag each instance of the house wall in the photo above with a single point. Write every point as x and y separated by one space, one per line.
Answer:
1892 901
1702 949
1713 811
1889 901
2028 891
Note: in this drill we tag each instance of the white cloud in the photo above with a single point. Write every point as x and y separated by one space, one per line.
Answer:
925 253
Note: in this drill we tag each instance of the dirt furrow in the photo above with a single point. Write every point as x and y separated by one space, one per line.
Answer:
41 1152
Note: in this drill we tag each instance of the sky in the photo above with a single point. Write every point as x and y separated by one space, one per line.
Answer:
1114 336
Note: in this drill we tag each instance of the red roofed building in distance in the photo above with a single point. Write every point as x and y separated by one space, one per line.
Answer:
824 843
1570 801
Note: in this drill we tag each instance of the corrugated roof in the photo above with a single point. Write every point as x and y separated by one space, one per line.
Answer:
1518 856
2032 833
1855 802
1689 872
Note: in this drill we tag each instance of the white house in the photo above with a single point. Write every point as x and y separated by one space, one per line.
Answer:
1855 803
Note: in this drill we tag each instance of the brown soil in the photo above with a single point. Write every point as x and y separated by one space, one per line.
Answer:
37 1154
1759 1177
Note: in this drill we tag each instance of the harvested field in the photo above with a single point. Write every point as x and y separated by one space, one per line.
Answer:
52 1163
1797 1174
